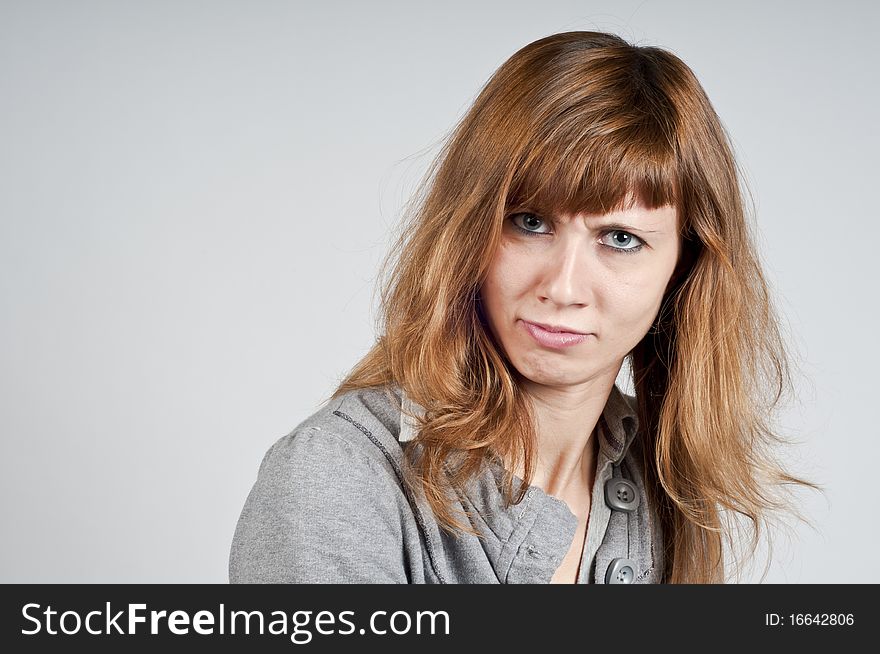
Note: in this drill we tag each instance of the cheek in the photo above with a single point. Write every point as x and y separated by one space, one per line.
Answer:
633 304
505 279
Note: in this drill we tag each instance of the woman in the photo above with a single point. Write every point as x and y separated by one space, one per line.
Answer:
585 212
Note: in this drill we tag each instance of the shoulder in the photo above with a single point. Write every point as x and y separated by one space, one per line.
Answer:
359 428
349 442
323 492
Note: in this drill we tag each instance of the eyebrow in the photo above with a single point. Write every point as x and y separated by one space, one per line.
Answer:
621 226
628 228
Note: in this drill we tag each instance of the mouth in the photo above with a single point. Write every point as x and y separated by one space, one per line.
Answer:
554 339
557 329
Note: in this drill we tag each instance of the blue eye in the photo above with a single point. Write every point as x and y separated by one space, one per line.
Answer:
530 220
628 236
533 222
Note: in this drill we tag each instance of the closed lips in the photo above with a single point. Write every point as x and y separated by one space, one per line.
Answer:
556 328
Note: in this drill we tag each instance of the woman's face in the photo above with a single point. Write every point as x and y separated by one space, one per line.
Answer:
601 275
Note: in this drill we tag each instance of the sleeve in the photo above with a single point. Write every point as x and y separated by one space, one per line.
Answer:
319 512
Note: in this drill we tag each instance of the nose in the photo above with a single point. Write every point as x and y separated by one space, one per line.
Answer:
567 273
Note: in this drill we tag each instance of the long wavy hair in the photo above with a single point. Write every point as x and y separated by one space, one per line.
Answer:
580 122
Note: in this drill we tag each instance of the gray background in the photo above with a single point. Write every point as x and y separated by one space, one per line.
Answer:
196 197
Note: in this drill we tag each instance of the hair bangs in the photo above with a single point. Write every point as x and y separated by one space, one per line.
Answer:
598 171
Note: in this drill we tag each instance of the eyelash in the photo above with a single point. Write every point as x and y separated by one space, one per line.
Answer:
632 250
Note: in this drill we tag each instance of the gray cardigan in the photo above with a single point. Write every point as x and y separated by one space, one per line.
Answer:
329 506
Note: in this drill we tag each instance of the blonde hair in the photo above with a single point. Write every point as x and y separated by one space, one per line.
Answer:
584 122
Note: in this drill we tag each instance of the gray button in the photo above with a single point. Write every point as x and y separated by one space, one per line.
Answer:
620 571
621 495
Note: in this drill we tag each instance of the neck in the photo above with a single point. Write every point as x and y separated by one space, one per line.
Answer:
566 421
